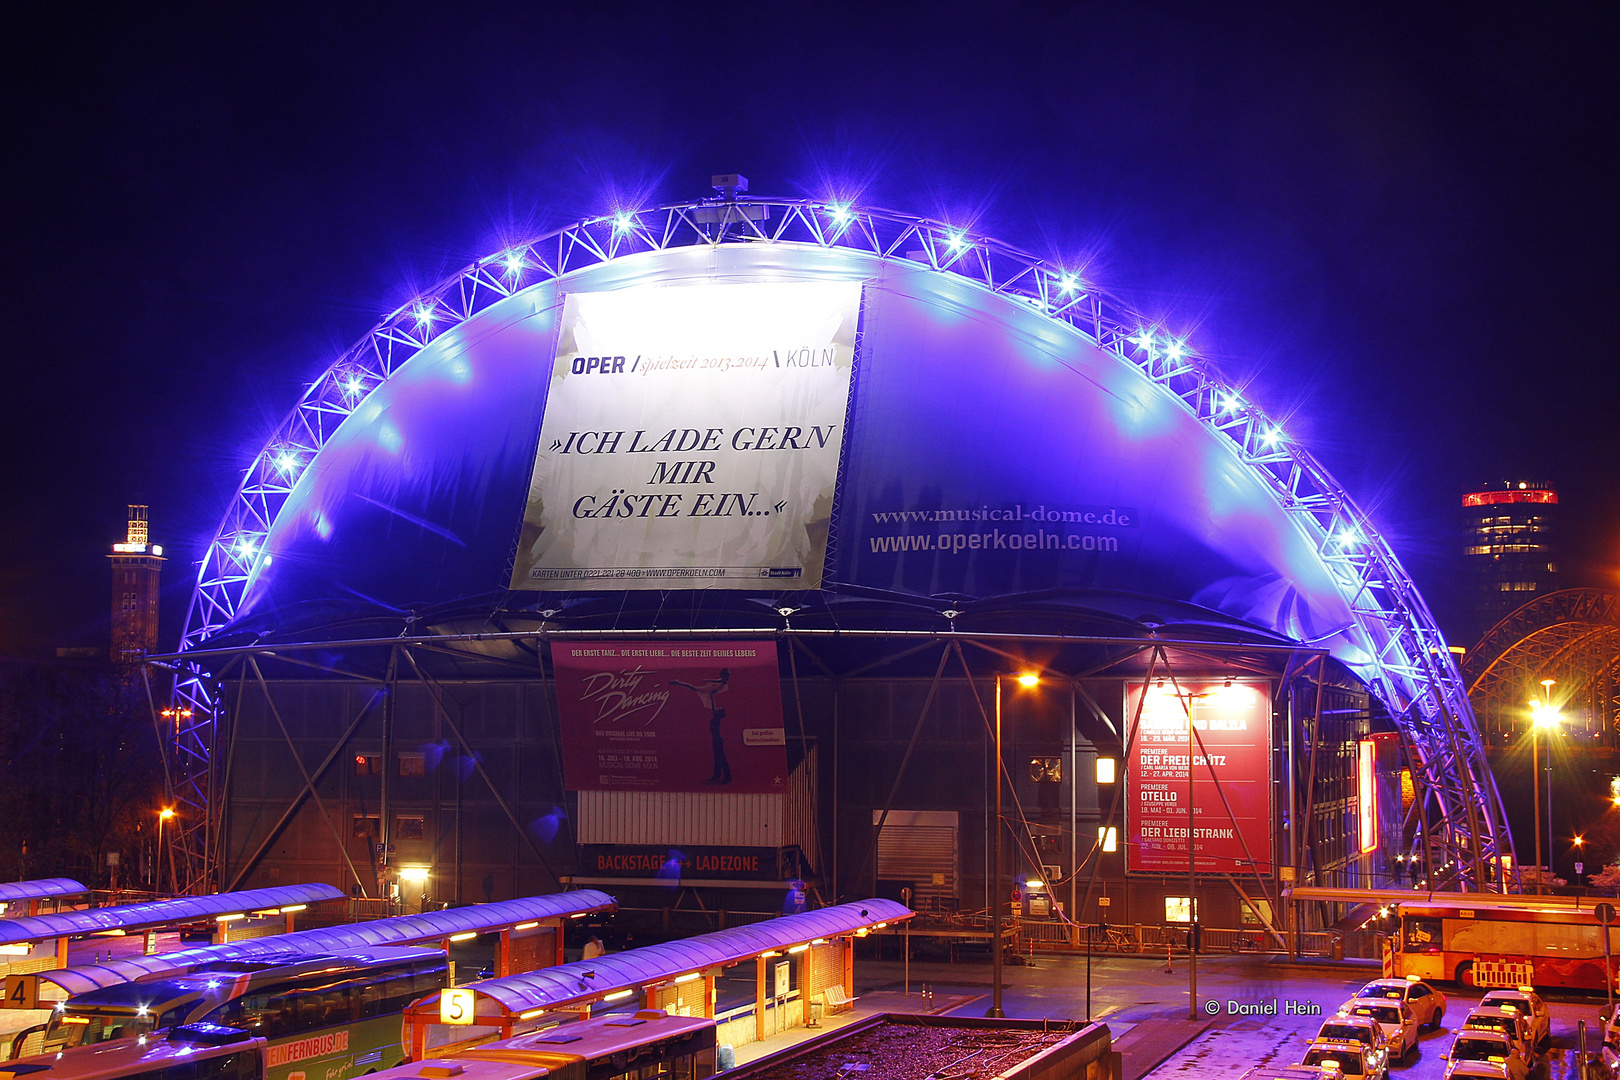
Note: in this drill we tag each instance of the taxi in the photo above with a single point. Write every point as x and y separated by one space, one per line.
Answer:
1359 1029
1400 1026
1508 1021
1347 1058
1530 1006
1427 1003
1472 1048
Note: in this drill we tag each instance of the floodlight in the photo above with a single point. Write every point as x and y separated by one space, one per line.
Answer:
1029 678
413 874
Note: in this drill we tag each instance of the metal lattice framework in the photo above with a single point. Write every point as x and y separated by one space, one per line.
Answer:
1407 663
1572 635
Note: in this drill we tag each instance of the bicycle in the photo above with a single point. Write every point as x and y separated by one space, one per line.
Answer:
1105 938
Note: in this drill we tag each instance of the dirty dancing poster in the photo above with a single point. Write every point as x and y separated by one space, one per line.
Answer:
684 716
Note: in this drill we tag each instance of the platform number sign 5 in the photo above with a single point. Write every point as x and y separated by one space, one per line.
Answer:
22 992
458 1005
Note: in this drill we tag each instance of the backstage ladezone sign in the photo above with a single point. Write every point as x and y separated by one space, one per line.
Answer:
691 438
1231 766
672 716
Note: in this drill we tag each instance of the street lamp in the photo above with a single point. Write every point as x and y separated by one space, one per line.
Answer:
157 877
1541 716
1025 679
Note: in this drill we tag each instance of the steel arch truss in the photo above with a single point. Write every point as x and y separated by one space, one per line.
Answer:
1572 635
1407 663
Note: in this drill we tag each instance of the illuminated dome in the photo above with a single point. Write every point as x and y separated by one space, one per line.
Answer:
985 441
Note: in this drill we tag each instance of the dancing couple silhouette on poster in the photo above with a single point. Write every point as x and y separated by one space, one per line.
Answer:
708 691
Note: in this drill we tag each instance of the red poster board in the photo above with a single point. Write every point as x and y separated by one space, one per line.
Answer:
1233 724
672 716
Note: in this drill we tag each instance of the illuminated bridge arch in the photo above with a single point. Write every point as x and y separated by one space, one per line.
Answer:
1389 638
1572 636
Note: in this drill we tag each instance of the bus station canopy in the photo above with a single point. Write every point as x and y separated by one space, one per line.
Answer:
145 916
430 926
39 889
500 1001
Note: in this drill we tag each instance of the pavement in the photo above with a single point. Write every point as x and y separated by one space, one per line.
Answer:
1264 1009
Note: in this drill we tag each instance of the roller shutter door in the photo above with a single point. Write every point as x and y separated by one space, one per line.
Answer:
920 847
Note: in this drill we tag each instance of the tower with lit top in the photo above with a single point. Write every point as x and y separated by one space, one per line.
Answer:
1510 548
137 566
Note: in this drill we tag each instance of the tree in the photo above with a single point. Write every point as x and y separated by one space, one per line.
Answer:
1607 878
84 774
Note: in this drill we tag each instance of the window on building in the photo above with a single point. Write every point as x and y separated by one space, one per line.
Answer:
367 765
409 827
1178 909
412 765
366 826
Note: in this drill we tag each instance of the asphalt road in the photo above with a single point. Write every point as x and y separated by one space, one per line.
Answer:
1147 1007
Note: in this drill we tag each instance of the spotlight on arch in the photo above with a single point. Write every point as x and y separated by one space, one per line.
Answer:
623 221
957 243
1143 339
840 212
1069 284
514 261
1176 350
286 461
1272 436
424 314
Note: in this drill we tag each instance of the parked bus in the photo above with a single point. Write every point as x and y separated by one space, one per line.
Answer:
1497 942
190 1052
325 1017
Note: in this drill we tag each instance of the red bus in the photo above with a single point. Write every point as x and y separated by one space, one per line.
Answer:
1498 941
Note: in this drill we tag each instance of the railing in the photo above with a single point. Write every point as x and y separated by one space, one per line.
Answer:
1159 940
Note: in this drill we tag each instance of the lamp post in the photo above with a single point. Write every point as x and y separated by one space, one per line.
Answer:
1546 697
1026 679
1542 715
157 872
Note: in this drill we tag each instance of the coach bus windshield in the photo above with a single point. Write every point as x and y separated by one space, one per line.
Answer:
119 1012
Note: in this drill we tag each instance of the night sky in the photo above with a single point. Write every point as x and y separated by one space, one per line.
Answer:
1395 225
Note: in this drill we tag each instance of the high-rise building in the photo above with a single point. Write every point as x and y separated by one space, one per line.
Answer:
136 567
1509 548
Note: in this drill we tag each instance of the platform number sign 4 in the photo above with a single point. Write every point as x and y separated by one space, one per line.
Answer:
458 1005
22 992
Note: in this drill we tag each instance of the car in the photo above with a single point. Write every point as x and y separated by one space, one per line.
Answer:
1349 1056
1530 1006
1471 1048
1428 1004
1473 1069
1508 1021
1400 1026
1361 1029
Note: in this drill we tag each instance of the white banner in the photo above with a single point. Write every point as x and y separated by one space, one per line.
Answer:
691 438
